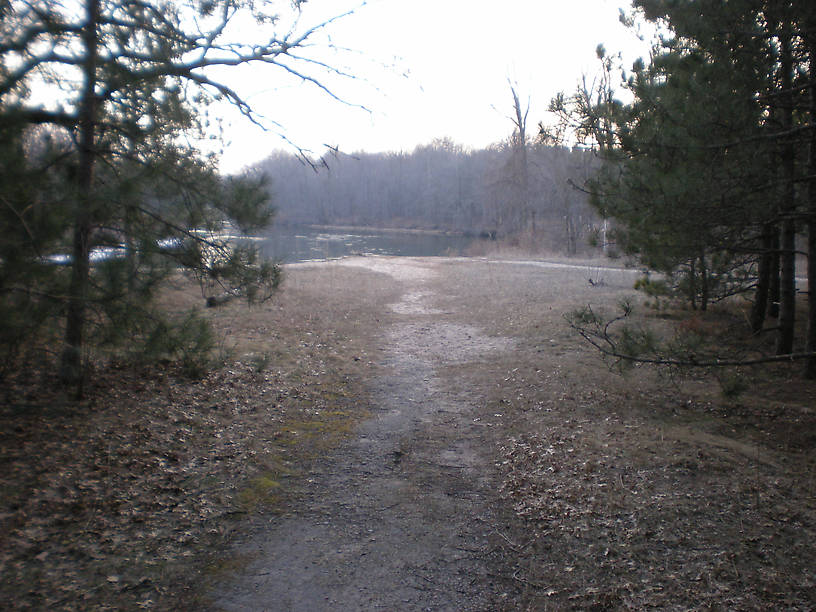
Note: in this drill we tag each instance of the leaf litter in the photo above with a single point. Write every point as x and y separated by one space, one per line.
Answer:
617 493
126 499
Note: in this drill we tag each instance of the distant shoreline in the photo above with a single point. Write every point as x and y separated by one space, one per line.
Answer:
388 230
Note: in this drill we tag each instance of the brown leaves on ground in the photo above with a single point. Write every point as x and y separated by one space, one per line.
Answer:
121 501
102 498
622 493
627 509
639 491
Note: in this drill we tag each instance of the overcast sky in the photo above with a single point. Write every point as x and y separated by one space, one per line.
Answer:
427 69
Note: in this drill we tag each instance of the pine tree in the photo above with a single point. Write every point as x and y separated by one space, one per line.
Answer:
709 174
766 41
124 84
682 186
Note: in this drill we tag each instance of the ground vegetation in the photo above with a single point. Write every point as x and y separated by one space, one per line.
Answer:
707 172
575 488
109 184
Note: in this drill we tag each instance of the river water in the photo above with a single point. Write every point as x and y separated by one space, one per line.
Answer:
297 244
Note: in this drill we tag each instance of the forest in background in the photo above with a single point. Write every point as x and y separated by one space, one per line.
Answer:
505 191
707 175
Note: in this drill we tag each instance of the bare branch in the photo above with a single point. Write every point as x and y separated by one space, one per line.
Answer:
602 340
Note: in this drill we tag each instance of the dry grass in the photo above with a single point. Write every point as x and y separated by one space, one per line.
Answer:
640 490
619 492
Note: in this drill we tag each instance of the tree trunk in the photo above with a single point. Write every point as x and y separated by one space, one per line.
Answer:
704 289
71 359
760 307
787 286
774 290
810 365
569 228
787 294
131 256
520 155
692 290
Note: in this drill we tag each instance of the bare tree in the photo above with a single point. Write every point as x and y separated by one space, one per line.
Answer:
520 165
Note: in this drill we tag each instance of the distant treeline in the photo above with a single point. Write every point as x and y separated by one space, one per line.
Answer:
489 192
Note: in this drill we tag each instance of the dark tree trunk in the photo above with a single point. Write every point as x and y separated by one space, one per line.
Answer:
787 286
704 289
760 307
571 231
71 359
787 294
810 366
692 291
774 290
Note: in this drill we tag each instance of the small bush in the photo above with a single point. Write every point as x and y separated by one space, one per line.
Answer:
189 342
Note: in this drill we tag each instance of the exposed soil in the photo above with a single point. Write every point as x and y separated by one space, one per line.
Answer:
411 434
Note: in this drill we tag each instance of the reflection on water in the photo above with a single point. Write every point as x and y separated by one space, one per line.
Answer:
291 245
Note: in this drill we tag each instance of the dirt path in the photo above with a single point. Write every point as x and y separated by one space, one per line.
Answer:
401 517
505 468
415 434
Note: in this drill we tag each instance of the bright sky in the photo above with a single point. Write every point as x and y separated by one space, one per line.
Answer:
428 69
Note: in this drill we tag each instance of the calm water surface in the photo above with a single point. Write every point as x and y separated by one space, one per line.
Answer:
290 245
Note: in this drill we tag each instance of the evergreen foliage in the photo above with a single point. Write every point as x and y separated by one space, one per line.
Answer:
105 193
708 172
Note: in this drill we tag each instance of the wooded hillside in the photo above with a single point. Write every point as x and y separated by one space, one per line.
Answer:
443 186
